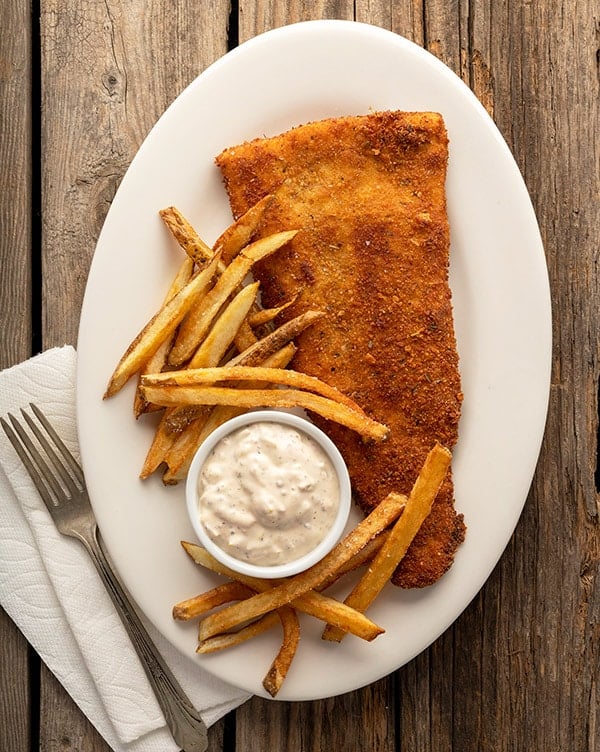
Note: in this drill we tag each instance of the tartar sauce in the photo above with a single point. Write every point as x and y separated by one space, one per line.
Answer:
267 494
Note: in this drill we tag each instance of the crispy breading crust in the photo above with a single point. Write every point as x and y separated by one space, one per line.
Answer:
368 195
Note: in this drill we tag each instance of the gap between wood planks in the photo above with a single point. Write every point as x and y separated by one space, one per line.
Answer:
233 26
35 251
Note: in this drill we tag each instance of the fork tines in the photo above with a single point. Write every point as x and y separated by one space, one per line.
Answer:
47 474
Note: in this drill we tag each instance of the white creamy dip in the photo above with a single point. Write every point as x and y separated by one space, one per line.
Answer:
267 494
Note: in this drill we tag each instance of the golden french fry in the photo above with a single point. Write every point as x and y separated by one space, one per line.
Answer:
160 326
266 315
181 417
173 435
417 508
286 593
156 362
239 234
272 682
231 639
161 442
245 337
361 558
225 328
183 232
291 637
172 396
200 604
179 455
208 376
311 602
256 353
168 432
196 325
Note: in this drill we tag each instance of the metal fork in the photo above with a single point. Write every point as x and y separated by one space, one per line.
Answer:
61 485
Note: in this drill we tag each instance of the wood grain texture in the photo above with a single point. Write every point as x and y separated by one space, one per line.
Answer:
15 308
315 726
519 669
15 708
258 16
15 182
109 70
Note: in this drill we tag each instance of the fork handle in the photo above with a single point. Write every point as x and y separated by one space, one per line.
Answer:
184 721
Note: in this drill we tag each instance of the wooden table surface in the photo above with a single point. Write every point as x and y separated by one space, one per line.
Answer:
81 84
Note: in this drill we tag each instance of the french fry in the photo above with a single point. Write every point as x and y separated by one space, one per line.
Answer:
182 429
281 664
231 639
200 604
225 328
311 602
417 508
232 590
229 591
359 559
291 637
156 362
286 593
239 234
259 352
171 396
266 315
172 434
196 325
179 455
256 353
160 326
210 376
245 337
328 609
161 442
183 232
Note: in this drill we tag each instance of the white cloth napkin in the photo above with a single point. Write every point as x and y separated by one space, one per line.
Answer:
51 590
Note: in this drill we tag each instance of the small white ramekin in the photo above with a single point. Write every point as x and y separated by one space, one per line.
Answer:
326 544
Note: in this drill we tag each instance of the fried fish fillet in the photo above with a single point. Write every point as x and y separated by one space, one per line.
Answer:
368 196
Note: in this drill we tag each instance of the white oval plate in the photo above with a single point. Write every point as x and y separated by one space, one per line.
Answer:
498 274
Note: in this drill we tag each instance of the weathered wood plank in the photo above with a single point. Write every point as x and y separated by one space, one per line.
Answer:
64 728
553 124
261 15
361 721
442 31
15 320
533 674
15 183
15 731
109 70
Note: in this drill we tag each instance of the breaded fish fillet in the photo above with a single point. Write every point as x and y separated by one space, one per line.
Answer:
368 196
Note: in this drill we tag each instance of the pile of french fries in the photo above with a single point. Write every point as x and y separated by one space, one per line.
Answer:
261 604
210 352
